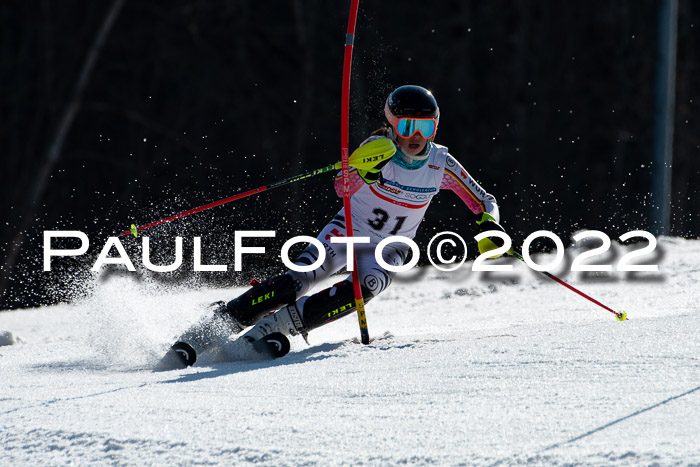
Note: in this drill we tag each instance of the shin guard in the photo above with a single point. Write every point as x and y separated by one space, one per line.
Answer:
274 293
330 304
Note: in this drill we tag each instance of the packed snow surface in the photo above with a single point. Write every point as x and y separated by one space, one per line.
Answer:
496 369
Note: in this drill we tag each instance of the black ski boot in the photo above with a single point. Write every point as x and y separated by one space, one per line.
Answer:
230 318
269 335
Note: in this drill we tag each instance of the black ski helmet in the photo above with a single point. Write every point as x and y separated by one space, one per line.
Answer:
411 101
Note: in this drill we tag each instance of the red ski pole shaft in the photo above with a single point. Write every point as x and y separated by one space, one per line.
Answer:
134 230
621 316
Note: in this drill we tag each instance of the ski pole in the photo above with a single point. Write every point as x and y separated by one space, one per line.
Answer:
621 316
135 230
344 144
365 157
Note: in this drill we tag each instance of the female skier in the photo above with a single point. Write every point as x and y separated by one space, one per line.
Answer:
391 200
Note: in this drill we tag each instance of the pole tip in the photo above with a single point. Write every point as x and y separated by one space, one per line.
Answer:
622 316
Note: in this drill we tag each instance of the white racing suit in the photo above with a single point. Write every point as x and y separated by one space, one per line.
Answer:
393 206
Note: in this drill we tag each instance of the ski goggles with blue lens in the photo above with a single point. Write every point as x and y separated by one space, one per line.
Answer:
407 127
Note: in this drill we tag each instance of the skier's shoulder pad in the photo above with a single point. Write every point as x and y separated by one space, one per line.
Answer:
439 154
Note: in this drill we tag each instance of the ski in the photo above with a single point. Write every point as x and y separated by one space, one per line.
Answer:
274 345
182 355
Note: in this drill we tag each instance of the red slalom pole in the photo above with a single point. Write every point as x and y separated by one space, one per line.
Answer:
621 315
344 152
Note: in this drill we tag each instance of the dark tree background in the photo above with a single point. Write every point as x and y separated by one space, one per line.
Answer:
549 104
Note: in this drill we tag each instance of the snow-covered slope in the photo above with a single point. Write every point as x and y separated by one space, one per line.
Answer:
463 370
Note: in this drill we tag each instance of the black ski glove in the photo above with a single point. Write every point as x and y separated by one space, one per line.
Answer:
370 157
488 222
375 173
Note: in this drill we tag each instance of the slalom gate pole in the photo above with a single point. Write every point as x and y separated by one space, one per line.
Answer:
620 315
344 152
135 230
